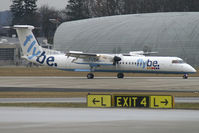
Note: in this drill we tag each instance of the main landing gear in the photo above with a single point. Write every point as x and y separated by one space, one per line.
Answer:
120 75
185 76
90 75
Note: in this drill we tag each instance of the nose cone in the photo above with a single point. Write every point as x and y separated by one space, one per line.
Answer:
193 70
189 69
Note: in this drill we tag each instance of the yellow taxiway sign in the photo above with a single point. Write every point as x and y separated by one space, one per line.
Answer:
130 101
161 102
99 100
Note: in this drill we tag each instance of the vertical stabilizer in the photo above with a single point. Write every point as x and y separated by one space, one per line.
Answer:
29 44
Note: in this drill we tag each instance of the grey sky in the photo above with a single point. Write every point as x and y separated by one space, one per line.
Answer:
57 4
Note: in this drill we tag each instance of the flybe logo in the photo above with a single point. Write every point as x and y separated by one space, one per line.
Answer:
42 58
31 46
149 64
49 60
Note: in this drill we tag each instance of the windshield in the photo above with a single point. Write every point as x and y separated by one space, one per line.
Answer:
177 61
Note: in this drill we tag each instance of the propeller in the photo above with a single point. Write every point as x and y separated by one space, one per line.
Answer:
116 59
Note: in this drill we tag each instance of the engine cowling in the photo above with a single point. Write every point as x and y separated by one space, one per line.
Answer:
116 59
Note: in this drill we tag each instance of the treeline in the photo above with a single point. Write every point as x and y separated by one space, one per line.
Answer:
78 9
26 11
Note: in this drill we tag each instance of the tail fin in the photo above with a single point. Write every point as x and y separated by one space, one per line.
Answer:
29 44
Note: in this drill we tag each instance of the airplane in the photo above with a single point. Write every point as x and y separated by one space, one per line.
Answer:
133 62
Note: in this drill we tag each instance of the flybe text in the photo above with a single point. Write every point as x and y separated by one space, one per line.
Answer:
149 64
49 60
33 51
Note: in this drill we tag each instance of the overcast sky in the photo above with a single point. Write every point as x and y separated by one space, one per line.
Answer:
57 4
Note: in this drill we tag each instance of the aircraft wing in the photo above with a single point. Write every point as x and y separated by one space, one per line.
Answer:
93 59
79 54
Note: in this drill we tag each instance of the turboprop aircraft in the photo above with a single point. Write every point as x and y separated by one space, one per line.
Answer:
133 62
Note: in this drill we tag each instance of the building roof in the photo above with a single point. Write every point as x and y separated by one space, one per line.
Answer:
173 34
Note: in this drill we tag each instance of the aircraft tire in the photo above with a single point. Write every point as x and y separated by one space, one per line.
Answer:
185 76
90 76
120 75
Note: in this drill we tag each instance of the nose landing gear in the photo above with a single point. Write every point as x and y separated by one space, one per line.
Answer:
90 76
185 76
120 75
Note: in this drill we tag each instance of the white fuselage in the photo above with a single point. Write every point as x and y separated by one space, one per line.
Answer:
134 64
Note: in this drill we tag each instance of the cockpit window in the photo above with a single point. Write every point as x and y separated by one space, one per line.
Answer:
177 61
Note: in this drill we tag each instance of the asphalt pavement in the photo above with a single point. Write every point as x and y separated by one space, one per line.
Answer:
89 120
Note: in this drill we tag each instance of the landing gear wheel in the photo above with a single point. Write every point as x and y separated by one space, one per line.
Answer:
120 75
90 76
185 76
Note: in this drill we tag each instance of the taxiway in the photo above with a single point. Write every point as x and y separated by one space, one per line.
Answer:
89 120
101 83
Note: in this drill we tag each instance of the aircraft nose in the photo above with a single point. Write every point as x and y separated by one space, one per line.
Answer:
190 69
194 70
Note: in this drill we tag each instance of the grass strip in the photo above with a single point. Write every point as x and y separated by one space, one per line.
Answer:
194 106
71 105
187 106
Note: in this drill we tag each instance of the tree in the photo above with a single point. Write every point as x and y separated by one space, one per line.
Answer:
77 9
24 12
17 9
30 6
98 8
48 28
104 8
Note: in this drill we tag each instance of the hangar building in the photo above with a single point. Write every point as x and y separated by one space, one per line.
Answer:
170 34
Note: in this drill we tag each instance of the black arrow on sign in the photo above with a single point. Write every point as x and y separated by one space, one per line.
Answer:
165 102
94 101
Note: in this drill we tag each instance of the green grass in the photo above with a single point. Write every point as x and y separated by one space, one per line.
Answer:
187 106
84 105
72 105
